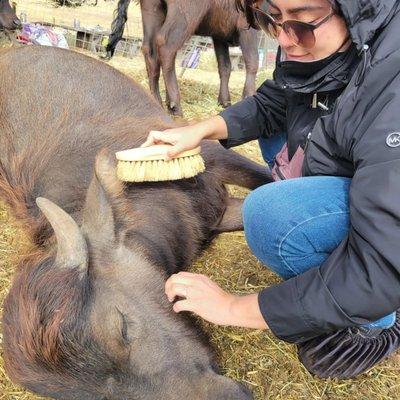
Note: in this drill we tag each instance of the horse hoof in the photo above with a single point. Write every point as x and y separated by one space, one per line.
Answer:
225 104
175 110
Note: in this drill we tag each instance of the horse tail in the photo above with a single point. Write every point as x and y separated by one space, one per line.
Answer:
117 26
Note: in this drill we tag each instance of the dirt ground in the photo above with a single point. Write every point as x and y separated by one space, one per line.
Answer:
268 366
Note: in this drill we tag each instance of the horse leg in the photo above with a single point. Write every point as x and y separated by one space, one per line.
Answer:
177 28
152 18
224 69
249 44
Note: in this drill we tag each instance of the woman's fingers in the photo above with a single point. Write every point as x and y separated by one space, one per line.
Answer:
200 295
185 142
181 139
175 151
177 284
183 282
182 305
182 277
149 141
176 290
157 137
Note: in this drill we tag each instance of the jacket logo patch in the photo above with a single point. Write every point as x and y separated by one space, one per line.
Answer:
393 140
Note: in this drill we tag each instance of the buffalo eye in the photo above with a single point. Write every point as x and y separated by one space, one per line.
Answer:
124 328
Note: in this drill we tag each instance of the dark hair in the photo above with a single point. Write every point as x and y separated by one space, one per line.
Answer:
244 6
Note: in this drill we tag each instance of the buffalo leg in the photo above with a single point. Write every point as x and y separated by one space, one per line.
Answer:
224 69
152 18
249 44
232 219
234 169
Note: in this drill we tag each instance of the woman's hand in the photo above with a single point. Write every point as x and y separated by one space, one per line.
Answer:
188 137
182 139
202 296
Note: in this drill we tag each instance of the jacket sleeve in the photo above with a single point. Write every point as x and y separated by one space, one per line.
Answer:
263 114
360 281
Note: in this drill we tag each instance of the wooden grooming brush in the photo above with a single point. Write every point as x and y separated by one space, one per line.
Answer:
147 164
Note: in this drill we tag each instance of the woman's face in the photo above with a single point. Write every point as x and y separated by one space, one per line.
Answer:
329 37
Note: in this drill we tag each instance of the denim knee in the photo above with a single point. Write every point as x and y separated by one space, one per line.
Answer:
292 226
260 219
283 222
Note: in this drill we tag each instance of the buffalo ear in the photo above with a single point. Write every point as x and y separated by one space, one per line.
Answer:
104 190
71 245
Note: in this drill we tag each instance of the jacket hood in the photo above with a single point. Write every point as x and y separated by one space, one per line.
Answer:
365 17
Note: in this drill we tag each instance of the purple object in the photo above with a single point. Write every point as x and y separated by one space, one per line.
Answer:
192 59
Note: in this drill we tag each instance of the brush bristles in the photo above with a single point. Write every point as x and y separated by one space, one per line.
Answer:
160 170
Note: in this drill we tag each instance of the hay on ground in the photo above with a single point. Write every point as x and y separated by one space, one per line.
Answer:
268 366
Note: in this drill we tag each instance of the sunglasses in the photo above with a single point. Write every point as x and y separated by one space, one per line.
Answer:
301 33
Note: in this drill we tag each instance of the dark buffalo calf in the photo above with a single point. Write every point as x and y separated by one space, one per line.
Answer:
86 316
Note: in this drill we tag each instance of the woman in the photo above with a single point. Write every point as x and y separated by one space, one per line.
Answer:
334 233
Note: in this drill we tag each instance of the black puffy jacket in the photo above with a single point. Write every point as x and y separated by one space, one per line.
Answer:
358 137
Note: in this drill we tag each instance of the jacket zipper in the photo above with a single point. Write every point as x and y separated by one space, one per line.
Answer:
305 154
307 142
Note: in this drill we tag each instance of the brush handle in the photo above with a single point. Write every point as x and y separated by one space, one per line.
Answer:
155 152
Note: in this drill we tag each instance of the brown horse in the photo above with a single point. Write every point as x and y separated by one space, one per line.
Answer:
167 24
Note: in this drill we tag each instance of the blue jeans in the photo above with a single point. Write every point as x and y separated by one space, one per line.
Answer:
294 225
270 147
